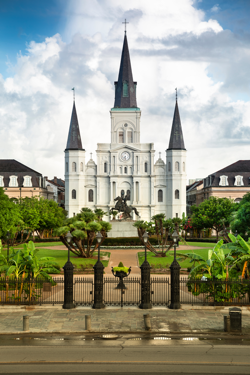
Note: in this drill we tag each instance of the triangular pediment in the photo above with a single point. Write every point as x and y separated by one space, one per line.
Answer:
124 147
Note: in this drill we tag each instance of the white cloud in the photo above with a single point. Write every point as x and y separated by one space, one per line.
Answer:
171 45
215 8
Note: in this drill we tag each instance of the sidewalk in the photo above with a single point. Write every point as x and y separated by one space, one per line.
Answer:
110 319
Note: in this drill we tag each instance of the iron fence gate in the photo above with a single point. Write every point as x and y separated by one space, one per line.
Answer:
83 291
160 291
131 296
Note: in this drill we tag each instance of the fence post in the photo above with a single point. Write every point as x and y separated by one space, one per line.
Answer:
175 283
68 285
145 283
98 283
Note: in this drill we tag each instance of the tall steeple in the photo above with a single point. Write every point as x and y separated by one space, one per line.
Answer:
176 138
125 87
74 138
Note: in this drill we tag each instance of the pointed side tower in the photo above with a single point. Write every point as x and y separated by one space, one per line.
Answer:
176 169
74 168
125 116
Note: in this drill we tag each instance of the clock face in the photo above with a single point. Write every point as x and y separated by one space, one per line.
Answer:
125 156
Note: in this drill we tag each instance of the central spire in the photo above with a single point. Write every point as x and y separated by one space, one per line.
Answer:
125 87
176 138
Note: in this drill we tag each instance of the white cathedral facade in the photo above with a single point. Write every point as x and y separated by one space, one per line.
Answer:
125 166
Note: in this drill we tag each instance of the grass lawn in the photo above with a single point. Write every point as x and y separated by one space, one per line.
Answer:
61 257
41 244
153 260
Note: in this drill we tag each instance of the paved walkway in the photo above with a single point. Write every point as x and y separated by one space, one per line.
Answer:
110 319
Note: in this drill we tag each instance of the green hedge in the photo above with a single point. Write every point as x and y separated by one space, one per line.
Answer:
125 241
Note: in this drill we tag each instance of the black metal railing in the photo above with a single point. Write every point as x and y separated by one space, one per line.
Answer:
213 292
31 291
160 291
83 291
39 291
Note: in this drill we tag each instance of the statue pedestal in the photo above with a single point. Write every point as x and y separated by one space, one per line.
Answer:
123 229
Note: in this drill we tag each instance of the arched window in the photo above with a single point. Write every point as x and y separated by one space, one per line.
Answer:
128 195
125 170
81 166
122 194
183 166
67 167
105 167
169 166
73 194
177 194
130 136
177 166
1 181
145 167
73 167
27 181
13 181
125 89
160 196
237 200
91 195
121 137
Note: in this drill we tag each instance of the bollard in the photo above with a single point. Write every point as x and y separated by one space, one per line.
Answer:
235 319
87 322
147 322
26 323
227 323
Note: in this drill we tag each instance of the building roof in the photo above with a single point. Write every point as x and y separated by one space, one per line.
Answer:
125 75
14 166
74 137
238 166
176 138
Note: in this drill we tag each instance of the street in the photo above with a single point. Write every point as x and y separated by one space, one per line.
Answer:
128 354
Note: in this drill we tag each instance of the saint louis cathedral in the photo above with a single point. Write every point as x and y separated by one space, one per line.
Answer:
125 166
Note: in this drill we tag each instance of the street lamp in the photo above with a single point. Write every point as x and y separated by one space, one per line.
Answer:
98 278
145 278
145 240
68 278
68 238
236 233
175 277
8 237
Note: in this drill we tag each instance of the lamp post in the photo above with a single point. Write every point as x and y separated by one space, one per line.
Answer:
8 237
68 279
98 278
175 277
145 279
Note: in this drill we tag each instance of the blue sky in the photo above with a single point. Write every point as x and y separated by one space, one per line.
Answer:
49 46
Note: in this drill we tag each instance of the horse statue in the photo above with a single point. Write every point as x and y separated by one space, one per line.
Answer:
121 206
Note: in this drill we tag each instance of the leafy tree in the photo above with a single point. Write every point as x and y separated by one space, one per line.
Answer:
10 218
213 213
83 228
240 220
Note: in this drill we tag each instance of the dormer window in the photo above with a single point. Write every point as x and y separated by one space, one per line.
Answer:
13 181
223 181
27 181
238 181
125 89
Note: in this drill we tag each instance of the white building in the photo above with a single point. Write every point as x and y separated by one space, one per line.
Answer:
126 166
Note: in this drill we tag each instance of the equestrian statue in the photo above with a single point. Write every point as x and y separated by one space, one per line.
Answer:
121 206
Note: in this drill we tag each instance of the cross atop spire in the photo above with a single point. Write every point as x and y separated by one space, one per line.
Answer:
176 94
74 94
125 22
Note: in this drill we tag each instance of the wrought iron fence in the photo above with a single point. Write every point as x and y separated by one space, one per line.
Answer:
83 291
160 291
30 291
213 292
130 296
